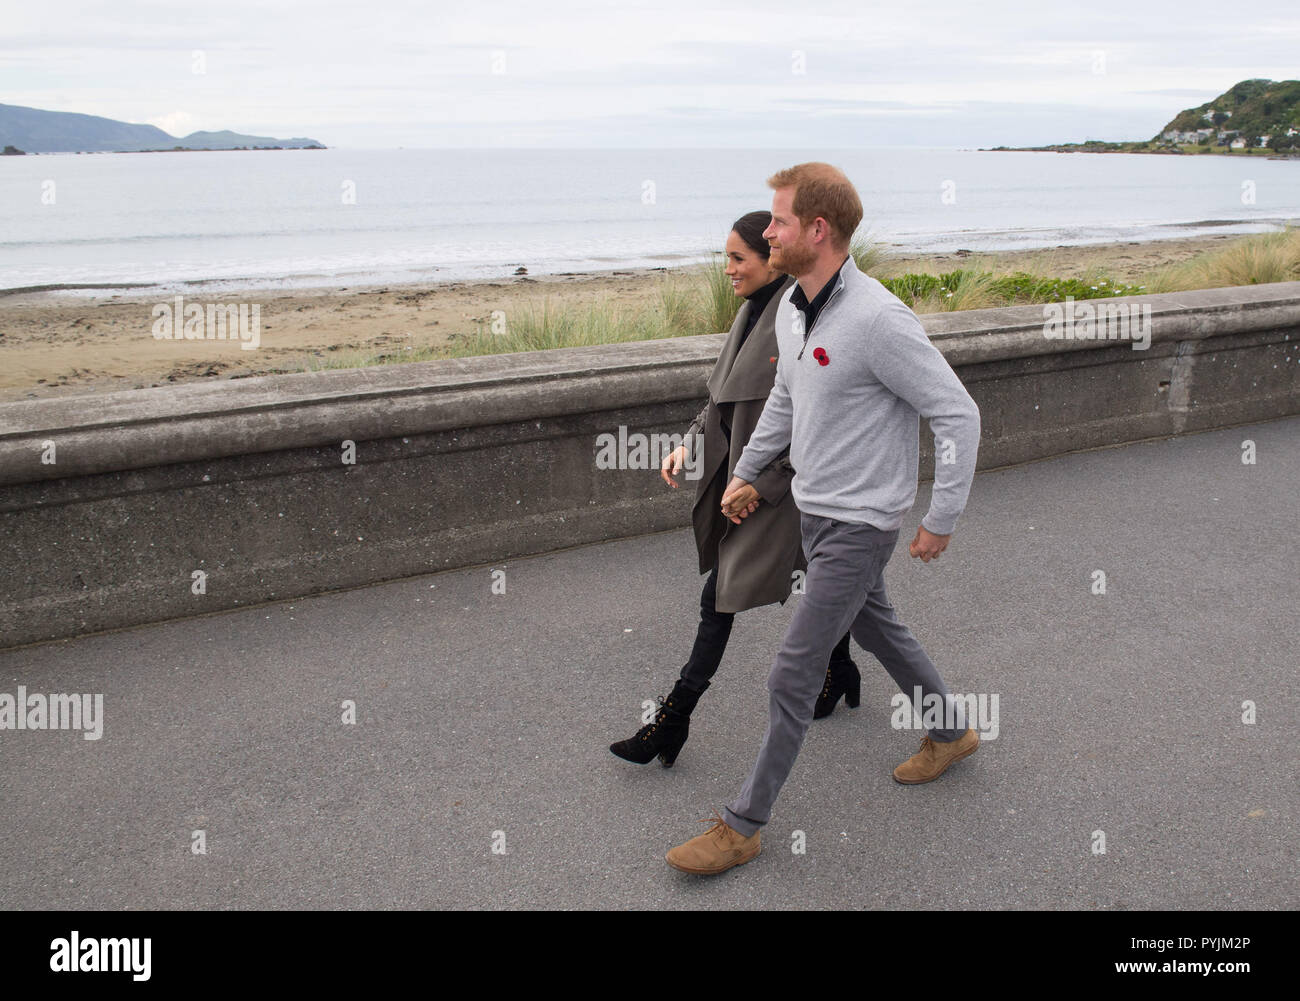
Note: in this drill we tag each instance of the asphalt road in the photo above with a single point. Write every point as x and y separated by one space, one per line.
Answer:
479 713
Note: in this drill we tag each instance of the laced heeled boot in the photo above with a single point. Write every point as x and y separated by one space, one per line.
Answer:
842 678
663 736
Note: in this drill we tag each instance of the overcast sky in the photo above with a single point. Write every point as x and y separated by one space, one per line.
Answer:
389 73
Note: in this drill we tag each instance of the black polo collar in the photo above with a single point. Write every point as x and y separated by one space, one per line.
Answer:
811 309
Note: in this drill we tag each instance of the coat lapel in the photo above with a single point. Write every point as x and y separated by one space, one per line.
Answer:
727 356
749 373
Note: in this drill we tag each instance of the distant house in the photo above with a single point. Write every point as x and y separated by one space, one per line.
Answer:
1263 140
1238 144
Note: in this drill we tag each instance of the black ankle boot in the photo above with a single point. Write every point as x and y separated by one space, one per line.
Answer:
842 678
666 733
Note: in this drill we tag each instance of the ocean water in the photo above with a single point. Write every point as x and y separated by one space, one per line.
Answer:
339 217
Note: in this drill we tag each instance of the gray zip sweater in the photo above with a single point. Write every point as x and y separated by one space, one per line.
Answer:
848 399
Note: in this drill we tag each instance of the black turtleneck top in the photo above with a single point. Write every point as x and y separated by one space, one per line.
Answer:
758 302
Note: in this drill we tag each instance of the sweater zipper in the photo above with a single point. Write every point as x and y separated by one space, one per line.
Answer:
808 333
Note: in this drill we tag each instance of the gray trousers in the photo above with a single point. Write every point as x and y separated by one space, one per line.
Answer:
844 589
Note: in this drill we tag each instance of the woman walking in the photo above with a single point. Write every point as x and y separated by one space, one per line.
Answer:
753 563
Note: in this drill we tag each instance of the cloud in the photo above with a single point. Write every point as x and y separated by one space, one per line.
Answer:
404 72
176 123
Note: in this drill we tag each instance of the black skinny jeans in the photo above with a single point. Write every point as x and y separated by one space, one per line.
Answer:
711 640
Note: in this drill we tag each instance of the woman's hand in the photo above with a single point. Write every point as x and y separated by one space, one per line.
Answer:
672 466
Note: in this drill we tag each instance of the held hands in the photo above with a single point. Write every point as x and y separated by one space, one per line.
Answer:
927 545
739 499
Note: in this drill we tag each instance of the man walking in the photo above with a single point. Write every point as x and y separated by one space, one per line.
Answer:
855 374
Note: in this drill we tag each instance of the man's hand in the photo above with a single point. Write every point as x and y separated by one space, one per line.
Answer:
927 545
739 499
672 466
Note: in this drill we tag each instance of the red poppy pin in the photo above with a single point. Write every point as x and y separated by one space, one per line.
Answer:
820 355
772 359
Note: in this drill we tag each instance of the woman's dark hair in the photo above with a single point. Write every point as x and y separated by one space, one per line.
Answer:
750 227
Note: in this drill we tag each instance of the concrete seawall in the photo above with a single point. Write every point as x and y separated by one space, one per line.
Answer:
116 509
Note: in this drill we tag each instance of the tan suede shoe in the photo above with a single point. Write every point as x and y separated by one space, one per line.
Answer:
714 851
933 759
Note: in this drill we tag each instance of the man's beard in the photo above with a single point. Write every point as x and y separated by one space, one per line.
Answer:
791 259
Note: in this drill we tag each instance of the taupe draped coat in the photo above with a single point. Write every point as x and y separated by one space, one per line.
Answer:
756 559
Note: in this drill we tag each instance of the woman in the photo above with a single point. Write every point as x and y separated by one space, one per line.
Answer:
750 563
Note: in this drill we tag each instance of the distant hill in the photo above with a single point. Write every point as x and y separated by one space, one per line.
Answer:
1251 108
1254 116
35 131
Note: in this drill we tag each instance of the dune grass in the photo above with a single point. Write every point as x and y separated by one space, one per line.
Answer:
869 254
703 302
1255 260
684 307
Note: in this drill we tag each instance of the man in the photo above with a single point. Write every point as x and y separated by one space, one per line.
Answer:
855 374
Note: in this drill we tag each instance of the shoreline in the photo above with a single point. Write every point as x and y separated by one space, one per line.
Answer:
58 341
1188 150
901 246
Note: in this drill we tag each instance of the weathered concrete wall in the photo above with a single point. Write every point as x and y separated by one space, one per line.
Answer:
469 461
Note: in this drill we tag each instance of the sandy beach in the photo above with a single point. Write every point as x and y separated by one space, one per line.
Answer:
78 343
